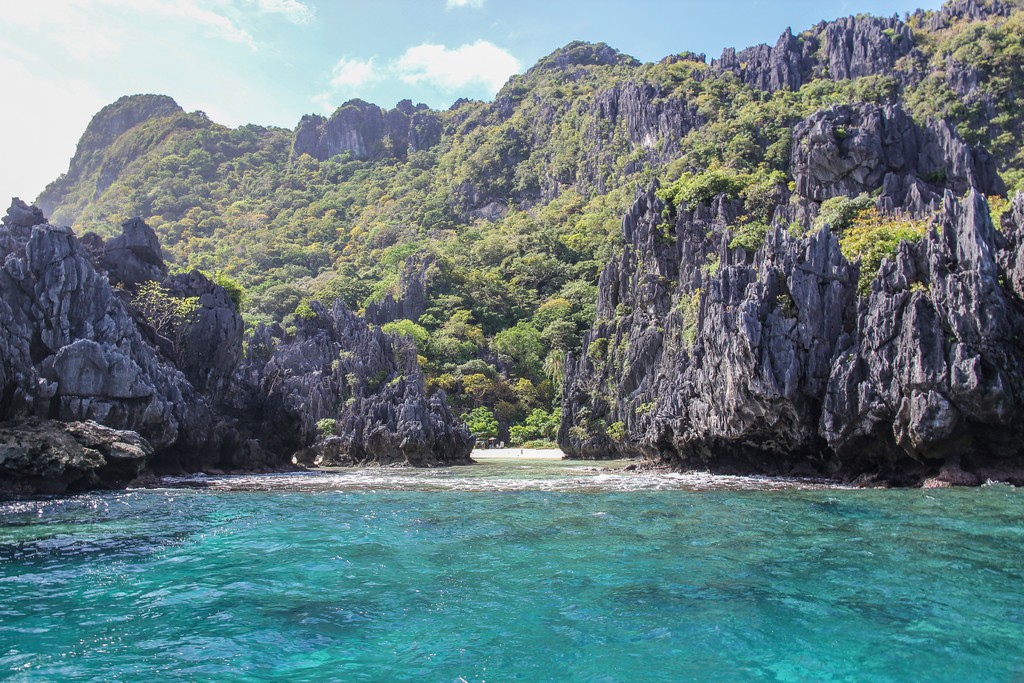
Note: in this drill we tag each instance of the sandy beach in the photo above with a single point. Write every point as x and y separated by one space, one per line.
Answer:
517 453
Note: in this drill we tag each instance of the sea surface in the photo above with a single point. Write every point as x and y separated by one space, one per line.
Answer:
513 570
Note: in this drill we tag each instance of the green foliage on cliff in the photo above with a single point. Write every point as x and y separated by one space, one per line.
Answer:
169 315
872 237
838 213
519 205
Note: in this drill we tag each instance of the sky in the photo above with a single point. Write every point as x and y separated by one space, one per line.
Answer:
270 61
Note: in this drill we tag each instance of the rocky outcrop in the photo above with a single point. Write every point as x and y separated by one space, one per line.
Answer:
707 356
849 47
341 392
74 349
368 132
411 300
133 257
210 347
46 456
775 365
786 65
935 371
650 118
851 149
953 11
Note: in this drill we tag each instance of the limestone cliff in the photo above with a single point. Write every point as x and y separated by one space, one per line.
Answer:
706 356
75 346
365 131
342 393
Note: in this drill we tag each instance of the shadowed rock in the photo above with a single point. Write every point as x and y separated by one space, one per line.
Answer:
366 384
46 456
73 349
777 366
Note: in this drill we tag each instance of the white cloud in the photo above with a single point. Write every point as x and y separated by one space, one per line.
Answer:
453 4
292 10
353 73
100 28
347 76
325 101
480 63
75 28
191 11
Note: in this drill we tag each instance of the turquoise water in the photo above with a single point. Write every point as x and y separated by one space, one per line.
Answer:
513 571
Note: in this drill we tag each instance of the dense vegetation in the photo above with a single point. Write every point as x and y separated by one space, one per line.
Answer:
517 209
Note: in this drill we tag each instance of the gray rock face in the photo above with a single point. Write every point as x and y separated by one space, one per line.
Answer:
368 132
211 346
73 349
45 456
720 368
412 299
958 10
849 47
133 257
775 365
369 384
649 116
846 150
786 65
21 215
934 373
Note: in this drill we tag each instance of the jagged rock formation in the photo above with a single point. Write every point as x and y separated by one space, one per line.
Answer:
709 357
957 10
131 258
53 457
211 346
847 150
411 301
934 373
367 384
73 348
846 48
368 132
649 117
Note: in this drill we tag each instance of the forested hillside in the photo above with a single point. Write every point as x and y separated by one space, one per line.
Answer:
481 231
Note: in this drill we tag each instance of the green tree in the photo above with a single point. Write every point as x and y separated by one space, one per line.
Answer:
522 345
169 315
872 237
481 422
410 329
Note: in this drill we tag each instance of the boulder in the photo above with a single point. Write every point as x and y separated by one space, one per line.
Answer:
46 456
134 257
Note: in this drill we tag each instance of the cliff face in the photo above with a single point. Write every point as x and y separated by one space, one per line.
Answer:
368 132
846 48
710 357
847 150
367 385
76 347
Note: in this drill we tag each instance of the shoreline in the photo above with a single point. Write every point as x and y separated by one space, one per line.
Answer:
517 454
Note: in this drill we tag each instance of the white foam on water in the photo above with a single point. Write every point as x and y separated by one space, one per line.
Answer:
482 478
